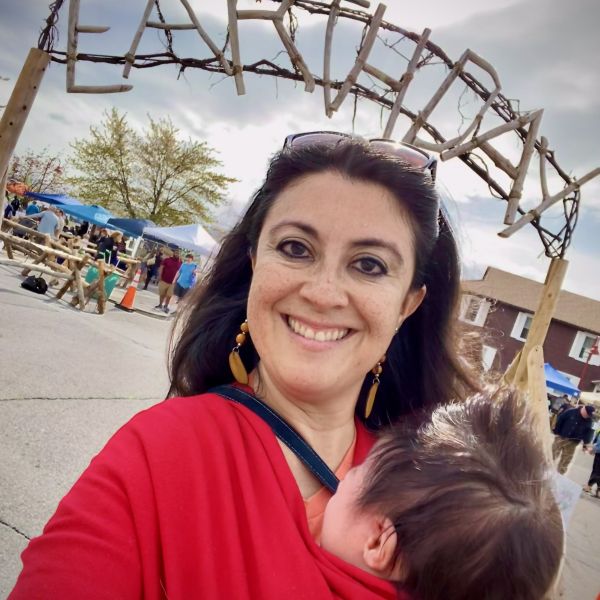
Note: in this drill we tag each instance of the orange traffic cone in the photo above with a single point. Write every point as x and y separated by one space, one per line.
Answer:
127 301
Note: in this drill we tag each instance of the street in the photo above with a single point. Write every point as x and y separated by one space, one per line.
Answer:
70 379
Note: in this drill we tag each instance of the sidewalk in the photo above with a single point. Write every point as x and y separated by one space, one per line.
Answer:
145 301
581 579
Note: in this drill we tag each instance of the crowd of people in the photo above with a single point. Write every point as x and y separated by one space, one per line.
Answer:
161 264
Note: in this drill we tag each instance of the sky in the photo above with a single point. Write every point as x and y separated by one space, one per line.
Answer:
544 51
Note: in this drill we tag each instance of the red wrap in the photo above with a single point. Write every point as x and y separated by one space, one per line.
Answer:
192 498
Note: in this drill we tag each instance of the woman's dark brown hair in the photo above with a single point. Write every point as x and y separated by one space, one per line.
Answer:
470 496
422 367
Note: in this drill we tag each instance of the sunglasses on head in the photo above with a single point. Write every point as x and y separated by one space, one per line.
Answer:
412 155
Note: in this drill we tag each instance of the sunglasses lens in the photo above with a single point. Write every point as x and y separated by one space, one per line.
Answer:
412 156
409 154
317 137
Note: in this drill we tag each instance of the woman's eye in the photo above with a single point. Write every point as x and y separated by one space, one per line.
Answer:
370 266
294 249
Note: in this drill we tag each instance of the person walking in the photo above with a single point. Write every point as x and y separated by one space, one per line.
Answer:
32 208
49 222
572 426
595 474
166 276
185 277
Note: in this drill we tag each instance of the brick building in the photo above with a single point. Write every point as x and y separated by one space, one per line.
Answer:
501 307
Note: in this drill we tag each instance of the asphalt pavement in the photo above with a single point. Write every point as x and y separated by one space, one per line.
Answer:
69 379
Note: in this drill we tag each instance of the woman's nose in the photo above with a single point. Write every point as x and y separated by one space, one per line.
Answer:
325 288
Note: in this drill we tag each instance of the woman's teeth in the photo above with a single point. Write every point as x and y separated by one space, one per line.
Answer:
323 335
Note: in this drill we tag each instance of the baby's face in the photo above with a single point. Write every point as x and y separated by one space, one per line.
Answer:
345 527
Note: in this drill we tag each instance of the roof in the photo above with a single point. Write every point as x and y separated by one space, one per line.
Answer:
523 293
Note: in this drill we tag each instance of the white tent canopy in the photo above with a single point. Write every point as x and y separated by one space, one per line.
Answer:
190 237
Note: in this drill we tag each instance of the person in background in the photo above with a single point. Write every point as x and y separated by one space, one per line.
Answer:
572 426
82 229
62 221
96 234
595 474
557 406
152 265
49 223
117 238
9 211
185 277
32 208
122 249
166 275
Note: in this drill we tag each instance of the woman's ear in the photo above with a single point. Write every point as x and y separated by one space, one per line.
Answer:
412 302
379 551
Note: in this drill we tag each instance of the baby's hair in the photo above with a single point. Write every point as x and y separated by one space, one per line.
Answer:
470 496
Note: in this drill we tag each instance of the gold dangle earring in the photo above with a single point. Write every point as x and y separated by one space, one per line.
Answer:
235 361
377 371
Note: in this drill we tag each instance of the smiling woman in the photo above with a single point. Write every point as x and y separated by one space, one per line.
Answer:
333 304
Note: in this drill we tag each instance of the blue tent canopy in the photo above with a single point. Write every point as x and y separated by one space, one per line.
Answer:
132 227
59 199
557 381
96 215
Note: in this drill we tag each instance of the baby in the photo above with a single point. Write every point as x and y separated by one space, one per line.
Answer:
459 508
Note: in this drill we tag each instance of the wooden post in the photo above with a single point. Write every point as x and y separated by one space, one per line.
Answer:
40 259
18 107
538 399
541 319
3 193
101 293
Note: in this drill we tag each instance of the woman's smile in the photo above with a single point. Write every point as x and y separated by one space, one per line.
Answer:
322 333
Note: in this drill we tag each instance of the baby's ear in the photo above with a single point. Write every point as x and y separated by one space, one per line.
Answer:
379 551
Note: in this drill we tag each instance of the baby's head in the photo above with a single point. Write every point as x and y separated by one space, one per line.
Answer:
460 507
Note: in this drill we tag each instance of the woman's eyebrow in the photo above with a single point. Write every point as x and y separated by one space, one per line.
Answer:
308 229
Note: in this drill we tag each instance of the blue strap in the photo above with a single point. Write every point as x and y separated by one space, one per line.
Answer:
287 434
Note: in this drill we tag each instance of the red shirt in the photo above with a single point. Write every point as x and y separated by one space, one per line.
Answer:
170 266
193 498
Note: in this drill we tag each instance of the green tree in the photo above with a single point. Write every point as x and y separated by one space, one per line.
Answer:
149 175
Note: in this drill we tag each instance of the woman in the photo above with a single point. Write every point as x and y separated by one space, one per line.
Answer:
104 245
334 298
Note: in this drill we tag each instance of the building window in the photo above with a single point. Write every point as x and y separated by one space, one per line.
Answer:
582 347
522 325
474 310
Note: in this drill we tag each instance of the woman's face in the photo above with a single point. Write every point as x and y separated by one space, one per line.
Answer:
331 280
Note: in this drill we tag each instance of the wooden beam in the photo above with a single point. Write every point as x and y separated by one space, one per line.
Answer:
73 30
542 317
538 210
234 40
404 82
538 399
32 267
19 104
361 59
